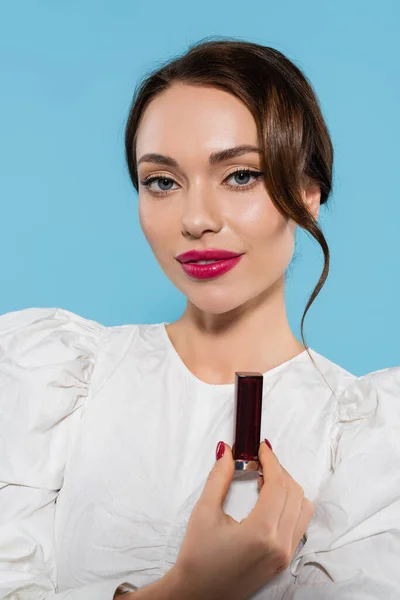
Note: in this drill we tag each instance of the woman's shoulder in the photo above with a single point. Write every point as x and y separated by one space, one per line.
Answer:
54 326
360 498
38 323
51 361
54 344
318 376
366 407
369 412
353 391
47 356
41 338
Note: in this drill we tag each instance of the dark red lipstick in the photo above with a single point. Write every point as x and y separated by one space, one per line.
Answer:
218 262
247 419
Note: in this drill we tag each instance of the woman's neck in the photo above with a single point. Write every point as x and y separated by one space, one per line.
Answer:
213 347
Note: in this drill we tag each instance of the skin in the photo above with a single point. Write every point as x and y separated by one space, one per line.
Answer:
234 322
237 321
222 559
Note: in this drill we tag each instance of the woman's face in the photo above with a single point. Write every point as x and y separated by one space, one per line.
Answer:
198 205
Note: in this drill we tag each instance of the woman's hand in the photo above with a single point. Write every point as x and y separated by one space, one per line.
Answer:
221 559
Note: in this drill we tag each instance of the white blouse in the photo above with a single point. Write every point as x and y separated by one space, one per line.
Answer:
106 440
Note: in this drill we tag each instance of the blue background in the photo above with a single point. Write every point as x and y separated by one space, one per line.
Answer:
69 232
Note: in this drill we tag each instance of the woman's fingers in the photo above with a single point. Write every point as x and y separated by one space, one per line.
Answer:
218 481
288 523
296 511
306 514
272 497
296 502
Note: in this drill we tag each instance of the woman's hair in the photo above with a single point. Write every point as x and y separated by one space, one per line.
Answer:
295 142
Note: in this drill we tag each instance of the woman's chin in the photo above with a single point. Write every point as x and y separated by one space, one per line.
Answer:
215 306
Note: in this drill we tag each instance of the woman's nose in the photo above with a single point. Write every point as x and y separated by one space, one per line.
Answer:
200 214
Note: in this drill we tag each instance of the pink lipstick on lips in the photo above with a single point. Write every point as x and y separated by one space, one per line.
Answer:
208 263
247 419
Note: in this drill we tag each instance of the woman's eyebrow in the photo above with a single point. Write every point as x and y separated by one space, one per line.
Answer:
214 158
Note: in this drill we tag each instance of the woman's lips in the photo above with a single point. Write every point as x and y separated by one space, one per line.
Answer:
210 270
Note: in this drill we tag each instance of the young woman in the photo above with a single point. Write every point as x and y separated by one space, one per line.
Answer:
110 485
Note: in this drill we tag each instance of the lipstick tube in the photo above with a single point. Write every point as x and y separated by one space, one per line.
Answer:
247 419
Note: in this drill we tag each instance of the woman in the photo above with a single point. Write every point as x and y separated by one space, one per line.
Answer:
110 483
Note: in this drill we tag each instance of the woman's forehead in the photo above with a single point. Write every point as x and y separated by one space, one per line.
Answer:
199 120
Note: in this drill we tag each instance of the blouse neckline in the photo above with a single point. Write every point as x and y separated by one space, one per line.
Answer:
220 386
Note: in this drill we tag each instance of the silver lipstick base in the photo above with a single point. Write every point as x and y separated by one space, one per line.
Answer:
247 465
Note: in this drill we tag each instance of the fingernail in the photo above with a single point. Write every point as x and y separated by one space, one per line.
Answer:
268 443
219 452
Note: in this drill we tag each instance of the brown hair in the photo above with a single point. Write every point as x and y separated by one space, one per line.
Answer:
291 129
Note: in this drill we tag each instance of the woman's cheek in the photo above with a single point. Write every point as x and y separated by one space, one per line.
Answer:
150 223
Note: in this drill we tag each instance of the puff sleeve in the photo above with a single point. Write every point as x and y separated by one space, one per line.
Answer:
46 361
352 550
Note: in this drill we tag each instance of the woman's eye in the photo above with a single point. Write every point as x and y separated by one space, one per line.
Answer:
163 182
241 176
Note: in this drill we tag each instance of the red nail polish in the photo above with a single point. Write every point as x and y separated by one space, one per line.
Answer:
220 450
268 443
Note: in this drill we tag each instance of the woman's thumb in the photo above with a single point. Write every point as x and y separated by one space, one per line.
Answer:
220 477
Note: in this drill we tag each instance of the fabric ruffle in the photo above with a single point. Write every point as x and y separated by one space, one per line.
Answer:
47 356
357 510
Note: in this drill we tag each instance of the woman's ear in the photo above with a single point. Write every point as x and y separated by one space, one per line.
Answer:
312 198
